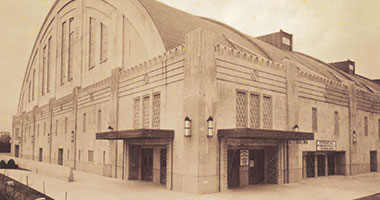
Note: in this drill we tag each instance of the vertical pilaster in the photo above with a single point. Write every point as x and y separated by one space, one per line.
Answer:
199 104
353 127
113 145
33 139
73 146
49 134
294 167
316 165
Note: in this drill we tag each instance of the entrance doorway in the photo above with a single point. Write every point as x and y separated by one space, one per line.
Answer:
310 170
256 166
331 164
147 164
60 156
321 165
17 151
373 160
163 159
40 155
233 164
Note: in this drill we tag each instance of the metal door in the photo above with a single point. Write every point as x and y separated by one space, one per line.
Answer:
147 164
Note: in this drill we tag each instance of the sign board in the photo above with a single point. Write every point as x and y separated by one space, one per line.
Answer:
286 41
244 158
251 163
326 145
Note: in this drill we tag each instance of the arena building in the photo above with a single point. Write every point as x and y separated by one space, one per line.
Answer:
137 90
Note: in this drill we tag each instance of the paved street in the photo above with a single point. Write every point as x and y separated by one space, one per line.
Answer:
93 187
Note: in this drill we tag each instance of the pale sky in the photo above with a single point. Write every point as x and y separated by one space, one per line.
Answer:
328 30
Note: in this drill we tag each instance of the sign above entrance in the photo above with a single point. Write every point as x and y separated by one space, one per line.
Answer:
244 158
326 145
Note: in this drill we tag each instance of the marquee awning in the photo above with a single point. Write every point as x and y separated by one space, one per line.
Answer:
264 134
136 134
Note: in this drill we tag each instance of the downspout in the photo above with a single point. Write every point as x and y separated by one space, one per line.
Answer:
171 176
220 170
287 161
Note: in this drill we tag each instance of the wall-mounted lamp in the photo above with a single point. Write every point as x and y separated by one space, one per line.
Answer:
110 128
295 127
187 127
354 137
210 126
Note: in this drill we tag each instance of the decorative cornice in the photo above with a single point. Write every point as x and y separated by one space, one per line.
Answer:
320 79
249 57
178 51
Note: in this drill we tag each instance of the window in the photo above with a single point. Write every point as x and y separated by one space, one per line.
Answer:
103 42
79 155
241 105
254 111
33 87
90 155
336 123
378 129
146 103
156 111
63 52
84 122
99 120
267 112
30 132
29 90
44 60
18 130
314 119
70 50
66 125
38 130
68 154
92 38
366 126
48 66
56 127
136 115
104 157
44 128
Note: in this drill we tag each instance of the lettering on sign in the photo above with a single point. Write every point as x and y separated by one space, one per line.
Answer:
243 158
326 145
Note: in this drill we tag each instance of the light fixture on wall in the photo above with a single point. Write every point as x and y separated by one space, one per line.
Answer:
187 127
354 137
210 126
110 128
295 127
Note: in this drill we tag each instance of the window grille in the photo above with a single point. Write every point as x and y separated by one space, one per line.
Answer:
254 111
241 106
136 116
146 102
156 111
267 112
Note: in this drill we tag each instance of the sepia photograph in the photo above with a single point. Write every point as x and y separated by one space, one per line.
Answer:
189 99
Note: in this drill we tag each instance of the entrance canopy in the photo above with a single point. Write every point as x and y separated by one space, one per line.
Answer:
264 134
136 134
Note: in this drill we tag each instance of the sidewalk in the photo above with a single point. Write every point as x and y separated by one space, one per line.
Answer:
93 187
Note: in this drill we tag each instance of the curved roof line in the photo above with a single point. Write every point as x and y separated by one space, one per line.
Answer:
239 33
34 47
